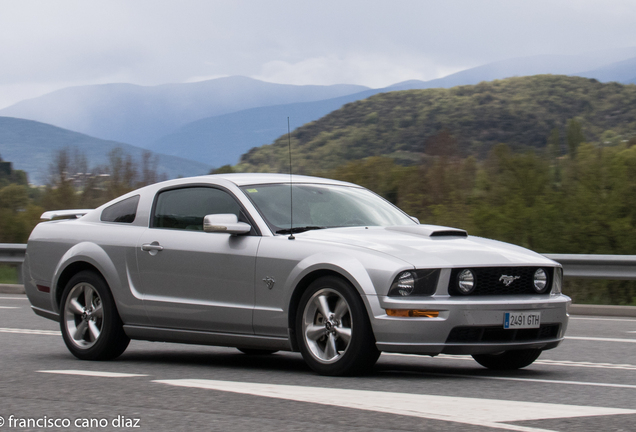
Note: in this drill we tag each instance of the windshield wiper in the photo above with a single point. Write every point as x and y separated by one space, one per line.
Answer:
299 229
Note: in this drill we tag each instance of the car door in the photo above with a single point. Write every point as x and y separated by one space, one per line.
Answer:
192 279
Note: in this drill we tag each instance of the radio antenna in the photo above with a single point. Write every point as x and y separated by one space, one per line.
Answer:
291 189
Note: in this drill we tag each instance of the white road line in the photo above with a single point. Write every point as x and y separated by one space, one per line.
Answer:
568 363
580 383
586 364
597 339
13 298
10 307
478 412
32 332
604 319
92 373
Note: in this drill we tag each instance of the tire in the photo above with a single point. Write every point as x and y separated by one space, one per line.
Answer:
90 324
342 342
508 360
250 351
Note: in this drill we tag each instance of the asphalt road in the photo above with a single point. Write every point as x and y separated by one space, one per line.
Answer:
586 384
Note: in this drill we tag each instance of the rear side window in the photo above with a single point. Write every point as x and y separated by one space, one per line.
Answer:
123 212
185 208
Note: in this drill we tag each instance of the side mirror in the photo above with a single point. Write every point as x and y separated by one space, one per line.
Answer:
225 223
417 221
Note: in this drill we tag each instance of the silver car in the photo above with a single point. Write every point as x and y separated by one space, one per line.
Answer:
216 260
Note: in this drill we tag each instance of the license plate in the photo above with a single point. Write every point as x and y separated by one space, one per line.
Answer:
521 320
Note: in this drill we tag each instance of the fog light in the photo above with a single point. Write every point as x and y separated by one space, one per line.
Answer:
540 280
466 281
412 313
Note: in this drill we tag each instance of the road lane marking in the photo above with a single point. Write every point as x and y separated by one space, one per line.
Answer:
13 298
581 383
10 307
597 339
29 331
92 373
473 411
543 381
604 319
586 364
536 362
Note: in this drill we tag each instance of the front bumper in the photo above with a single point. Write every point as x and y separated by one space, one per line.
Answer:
467 325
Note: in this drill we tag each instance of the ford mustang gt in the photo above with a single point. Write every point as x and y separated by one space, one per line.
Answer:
340 275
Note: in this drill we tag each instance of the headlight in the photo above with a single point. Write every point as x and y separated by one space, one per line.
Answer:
415 282
557 285
466 282
405 283
540 280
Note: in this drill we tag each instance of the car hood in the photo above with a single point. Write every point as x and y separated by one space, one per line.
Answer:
430 246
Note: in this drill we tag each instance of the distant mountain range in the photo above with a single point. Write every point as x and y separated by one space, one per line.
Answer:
139 115
214 122
221 140
31 146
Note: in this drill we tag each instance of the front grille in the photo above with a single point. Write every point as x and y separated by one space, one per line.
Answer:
488 281
497 334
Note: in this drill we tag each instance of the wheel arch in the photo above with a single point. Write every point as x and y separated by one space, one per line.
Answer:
83 256
69 271
301 287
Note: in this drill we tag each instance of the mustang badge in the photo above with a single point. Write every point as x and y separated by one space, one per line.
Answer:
269 282
507 280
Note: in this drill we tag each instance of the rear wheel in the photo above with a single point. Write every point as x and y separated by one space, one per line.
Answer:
90 324
508 360
333 329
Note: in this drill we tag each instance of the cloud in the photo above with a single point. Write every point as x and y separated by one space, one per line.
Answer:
373 71
46 44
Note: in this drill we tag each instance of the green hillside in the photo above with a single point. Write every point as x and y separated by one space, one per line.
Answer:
405 125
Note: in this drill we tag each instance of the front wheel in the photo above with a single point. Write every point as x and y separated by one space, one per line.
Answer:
90 324
333 329
508 360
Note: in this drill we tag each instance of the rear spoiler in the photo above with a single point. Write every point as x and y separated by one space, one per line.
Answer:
64 214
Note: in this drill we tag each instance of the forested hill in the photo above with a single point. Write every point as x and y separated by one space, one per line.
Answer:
520 112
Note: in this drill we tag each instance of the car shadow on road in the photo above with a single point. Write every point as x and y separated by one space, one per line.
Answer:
145 356
215 357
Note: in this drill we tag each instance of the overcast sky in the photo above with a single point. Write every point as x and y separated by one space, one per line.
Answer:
47 45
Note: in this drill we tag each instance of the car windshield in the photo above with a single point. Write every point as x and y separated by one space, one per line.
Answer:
323 206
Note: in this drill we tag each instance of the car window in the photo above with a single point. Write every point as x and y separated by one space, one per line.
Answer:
185 208
123 212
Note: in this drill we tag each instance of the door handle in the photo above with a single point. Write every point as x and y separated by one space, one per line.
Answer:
154 246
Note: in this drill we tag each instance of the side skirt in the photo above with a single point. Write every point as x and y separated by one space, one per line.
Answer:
157 334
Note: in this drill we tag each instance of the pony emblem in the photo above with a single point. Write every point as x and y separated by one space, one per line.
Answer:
507 280
269 282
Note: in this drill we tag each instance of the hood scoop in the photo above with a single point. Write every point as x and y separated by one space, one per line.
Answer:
429 231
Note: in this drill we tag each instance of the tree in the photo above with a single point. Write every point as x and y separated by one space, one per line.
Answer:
122 173
574 136
554 152
225 169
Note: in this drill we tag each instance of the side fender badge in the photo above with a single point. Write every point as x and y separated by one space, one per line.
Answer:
269 281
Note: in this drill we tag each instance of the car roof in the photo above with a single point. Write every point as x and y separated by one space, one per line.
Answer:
245 179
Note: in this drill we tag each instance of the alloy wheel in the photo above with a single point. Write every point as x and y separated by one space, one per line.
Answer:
83 315
327 325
